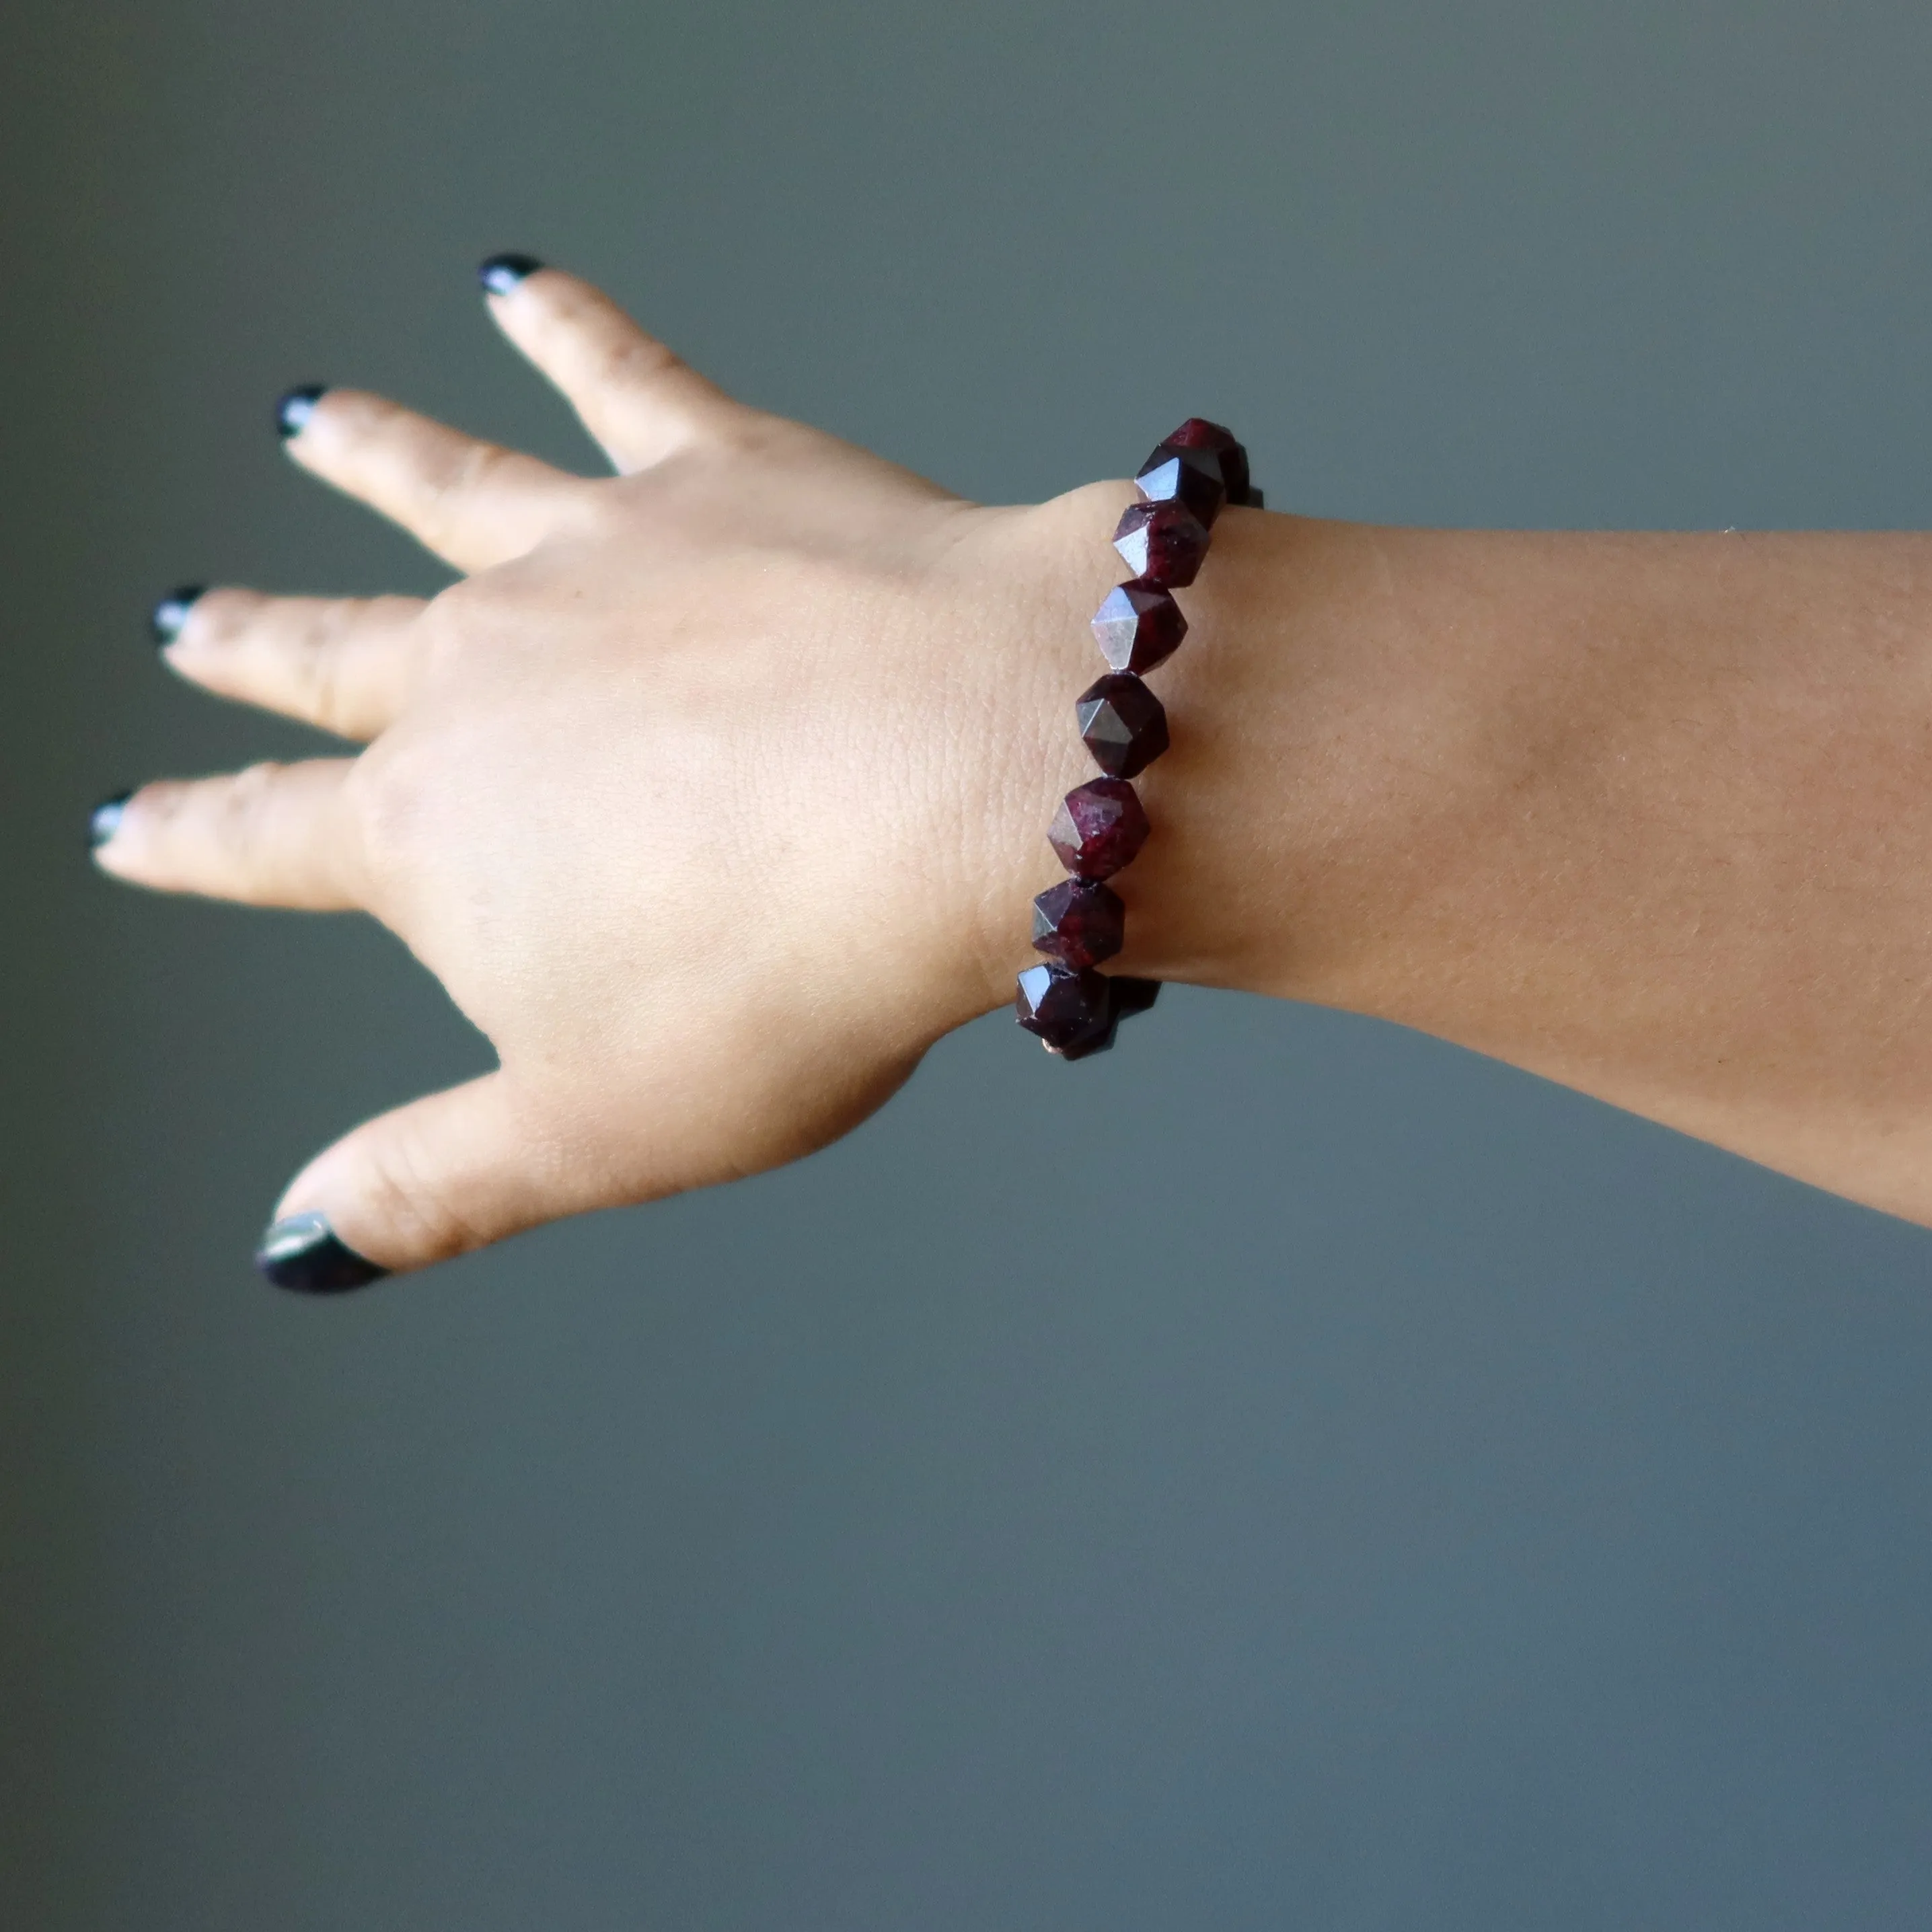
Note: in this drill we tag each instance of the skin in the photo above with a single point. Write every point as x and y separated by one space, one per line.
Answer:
714 794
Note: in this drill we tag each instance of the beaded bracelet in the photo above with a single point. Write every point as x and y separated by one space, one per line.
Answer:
1100 826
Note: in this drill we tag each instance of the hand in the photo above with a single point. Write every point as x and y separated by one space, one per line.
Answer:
713 793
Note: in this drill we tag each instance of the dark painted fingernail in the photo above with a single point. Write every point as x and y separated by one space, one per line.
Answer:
171 613
502 273
293 411
302 1252
104 820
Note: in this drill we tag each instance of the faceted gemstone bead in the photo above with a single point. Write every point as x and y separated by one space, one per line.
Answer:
1197 432
1176 475
1063 1004
1079 922
1072 1016
1122 723
1125 996
1098 828
1163 542
1139 626
1097 1041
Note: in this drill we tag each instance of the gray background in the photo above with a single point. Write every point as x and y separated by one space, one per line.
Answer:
1289 1473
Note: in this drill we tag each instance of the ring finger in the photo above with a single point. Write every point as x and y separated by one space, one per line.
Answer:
273 834
346 663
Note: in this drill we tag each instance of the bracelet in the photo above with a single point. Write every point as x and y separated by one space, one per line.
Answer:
1100 826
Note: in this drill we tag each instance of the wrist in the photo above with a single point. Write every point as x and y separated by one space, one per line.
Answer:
1197 905
1044 571
1274 865
1300 706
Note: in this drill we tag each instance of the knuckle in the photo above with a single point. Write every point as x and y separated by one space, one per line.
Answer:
315 668
401 1187
448 629
236 825
338 620
389 794
343 668
748 435
452 485
472 467
247 797
621 358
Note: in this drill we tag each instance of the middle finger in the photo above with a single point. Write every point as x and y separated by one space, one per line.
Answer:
474 503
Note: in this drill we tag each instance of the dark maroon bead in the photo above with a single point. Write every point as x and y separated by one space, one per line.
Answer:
1125 996
1122 723
1079 922
1063 1004
1197 432
1175 475
1139 626
1098 828
1131 996
1098 1039
1163 542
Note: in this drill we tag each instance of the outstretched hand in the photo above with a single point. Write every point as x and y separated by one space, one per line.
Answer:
712 793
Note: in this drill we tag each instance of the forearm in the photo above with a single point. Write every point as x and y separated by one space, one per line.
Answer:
716 792
1647 814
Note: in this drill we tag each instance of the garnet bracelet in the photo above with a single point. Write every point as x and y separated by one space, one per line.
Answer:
1100 826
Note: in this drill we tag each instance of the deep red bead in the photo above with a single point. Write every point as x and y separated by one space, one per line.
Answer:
1098 828
1079 922
1163 542
1122 723
1078 1013
1063 1004
1197 432
1174 474
1096 1039
1125 996
1139 626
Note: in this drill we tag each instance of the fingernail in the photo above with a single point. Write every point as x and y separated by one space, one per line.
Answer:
105 820
502 273
171 613
293 411
302 1252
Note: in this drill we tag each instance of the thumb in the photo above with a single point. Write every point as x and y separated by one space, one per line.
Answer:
451 1172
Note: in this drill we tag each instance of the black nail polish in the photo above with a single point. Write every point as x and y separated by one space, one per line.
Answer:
302 1252
104 820
502 273
293 411
168 616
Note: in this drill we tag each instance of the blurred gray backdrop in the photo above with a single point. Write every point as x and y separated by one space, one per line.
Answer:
1288 1474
